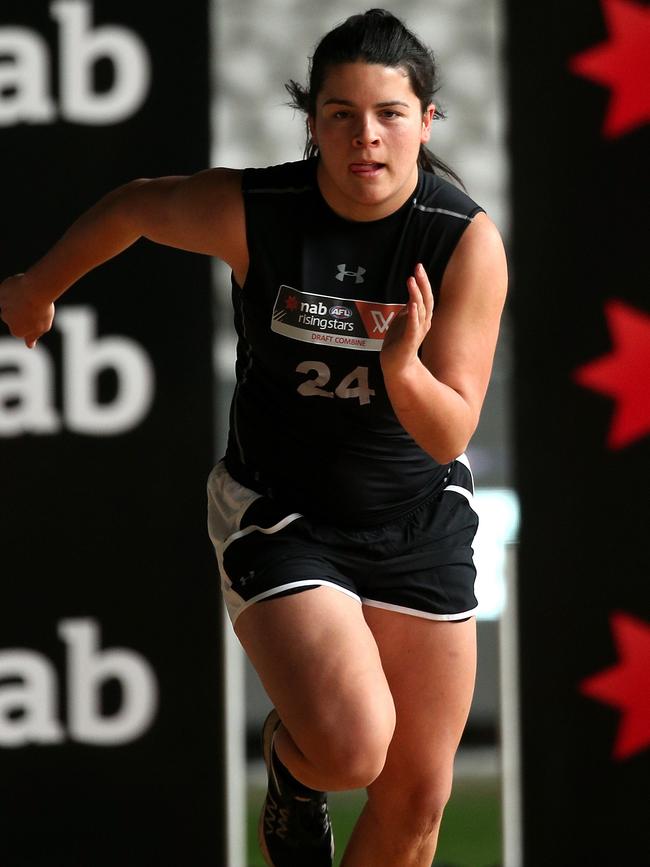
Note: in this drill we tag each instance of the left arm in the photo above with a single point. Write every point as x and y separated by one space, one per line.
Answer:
438 398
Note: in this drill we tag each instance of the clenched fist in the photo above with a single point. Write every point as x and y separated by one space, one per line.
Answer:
26 315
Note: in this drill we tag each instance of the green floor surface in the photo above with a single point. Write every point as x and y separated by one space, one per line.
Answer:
470 835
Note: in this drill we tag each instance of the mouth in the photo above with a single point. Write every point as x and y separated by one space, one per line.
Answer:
366 169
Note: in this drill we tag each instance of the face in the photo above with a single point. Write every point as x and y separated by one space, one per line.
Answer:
368 127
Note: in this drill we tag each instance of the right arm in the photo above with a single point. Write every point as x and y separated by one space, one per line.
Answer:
201 213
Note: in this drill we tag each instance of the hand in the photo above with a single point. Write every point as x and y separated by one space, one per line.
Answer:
26 316
410 326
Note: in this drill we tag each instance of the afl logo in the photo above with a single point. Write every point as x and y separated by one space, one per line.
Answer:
340 312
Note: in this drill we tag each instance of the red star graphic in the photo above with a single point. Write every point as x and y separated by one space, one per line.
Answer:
627 684
622 64
291 302
624 374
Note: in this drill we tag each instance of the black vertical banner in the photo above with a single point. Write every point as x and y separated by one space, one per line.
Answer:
580 141
110 728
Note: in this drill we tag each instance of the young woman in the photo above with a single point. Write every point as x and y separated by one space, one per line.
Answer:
367 294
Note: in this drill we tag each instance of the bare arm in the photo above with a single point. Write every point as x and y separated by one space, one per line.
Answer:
202 213
438 399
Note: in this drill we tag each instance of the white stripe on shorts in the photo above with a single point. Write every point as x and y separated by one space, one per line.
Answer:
267 530
235 604
414 612
464 460
467 494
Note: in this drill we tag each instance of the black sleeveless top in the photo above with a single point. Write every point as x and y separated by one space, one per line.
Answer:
311 424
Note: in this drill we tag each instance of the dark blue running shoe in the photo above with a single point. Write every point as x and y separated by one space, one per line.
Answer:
294 831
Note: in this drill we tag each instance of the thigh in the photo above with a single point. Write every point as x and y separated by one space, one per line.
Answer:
320 665
430 667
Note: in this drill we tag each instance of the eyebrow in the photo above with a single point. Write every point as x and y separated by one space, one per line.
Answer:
336 101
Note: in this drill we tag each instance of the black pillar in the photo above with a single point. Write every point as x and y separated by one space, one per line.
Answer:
110 725
579 140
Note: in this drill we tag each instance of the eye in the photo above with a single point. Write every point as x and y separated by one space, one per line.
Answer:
341 114
390 113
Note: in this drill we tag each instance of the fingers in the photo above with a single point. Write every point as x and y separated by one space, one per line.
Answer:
421 294
415 296
424 285
412 324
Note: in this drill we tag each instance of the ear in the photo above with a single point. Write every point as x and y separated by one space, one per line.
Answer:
427 120
311 126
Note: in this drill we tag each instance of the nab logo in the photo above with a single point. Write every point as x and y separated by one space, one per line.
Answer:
26 91
28 392
343 273
29 692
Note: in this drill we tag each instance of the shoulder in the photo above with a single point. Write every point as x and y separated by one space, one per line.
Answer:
481 240
478 266
202 190
438 197
289 178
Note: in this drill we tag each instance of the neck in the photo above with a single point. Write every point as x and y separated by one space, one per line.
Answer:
358 210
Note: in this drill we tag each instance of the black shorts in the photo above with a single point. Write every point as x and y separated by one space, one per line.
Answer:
420 564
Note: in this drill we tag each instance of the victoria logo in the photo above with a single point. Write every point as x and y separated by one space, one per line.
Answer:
340 312
345 272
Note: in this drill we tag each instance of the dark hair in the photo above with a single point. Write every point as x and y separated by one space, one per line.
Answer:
376 36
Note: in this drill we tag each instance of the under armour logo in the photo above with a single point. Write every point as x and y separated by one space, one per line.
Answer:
343 273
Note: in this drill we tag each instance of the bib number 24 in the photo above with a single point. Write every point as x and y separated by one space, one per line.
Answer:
354 385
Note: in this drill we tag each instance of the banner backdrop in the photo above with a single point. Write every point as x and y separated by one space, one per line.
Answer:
110 725
580 139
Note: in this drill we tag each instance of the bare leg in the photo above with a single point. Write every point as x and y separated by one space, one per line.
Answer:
430 667
320 666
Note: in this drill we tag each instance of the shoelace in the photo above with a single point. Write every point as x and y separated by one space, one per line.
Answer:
314 817
309 814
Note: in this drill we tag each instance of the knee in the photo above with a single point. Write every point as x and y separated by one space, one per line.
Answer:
356 767
416 807
353 752
425 808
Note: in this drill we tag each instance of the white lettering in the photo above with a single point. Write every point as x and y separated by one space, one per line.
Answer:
27 381
318 309
362 391
26 394
84 357
25 85
29 692
315 387
88 668
24 79
81 48
27 709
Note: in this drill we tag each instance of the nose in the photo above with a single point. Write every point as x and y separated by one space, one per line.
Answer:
366 134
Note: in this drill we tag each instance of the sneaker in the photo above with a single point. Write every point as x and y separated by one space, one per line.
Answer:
294 830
